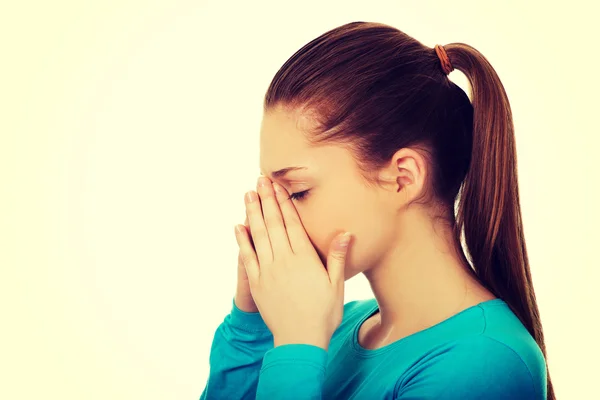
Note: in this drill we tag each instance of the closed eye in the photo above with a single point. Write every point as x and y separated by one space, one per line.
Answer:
299 196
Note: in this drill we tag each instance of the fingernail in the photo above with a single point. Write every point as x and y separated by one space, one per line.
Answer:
250 196
262 181
345 240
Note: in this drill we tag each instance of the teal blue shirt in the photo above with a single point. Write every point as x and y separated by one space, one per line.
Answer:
483 352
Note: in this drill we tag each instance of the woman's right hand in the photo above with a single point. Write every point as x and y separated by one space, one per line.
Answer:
243 297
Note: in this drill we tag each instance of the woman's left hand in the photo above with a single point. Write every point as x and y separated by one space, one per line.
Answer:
299 299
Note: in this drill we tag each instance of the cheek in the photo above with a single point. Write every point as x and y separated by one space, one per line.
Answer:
318 233
322 229
371 238
330 214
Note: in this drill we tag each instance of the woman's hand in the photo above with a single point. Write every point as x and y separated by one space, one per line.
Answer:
243 296
299 299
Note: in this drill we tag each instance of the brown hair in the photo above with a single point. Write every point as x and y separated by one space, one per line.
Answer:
375 89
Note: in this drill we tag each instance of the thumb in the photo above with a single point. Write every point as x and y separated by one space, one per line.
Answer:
336 259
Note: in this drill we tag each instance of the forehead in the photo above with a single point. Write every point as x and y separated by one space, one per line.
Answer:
282 141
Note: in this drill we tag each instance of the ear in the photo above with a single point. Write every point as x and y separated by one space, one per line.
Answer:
406 172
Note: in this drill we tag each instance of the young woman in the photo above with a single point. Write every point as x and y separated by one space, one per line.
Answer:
364 132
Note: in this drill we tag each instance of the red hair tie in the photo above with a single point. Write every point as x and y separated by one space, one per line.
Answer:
444 60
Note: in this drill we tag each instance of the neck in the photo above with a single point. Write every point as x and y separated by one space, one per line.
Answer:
423 279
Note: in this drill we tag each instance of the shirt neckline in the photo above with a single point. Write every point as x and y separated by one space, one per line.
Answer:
359 350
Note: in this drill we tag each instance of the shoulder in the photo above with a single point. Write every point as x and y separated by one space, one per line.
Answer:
472 368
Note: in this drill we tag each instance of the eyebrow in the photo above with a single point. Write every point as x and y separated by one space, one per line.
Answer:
280 173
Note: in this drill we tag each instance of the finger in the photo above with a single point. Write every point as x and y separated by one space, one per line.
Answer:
247 255
273 219
258 230
336 259
247 225
297 236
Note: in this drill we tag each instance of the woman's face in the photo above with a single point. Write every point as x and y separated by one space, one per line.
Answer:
336 198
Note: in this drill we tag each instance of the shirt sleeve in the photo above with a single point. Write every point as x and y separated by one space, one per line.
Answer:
292 371
239 345
478 369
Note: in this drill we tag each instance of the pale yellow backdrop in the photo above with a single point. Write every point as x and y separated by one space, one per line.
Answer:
129 133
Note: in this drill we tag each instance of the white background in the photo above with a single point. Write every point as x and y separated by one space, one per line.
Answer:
129 134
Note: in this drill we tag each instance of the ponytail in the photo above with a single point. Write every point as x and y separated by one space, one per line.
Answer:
489 208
